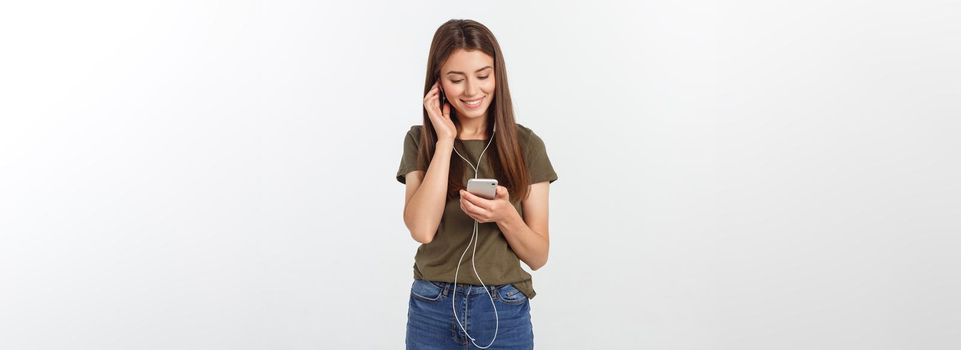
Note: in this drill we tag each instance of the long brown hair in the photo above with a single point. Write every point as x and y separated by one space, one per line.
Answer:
508 160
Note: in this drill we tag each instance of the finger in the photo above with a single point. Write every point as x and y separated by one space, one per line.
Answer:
473 210
474 200
431 110
463 207
430 102
433 91
429 98
446 110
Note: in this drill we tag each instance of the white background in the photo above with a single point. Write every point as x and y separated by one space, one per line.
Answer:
732 175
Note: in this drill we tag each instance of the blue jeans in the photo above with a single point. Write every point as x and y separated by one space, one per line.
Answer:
431 323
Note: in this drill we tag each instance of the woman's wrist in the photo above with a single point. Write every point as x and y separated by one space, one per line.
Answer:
445 144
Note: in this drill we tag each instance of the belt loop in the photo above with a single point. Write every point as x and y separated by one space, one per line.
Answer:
446 286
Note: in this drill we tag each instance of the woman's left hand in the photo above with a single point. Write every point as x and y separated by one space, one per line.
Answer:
487 210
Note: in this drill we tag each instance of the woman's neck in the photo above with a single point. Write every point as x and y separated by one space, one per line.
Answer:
473 130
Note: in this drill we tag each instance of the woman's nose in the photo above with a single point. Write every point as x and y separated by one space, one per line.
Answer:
471 90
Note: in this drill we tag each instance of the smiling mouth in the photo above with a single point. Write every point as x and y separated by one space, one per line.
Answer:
473 103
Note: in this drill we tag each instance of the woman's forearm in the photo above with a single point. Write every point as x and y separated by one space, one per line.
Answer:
426 207
531 247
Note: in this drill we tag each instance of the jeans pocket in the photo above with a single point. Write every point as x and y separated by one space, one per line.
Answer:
509 294
425 290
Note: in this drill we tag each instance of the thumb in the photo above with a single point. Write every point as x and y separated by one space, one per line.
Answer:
446 110
502 191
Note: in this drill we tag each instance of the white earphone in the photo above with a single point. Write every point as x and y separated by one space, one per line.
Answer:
474 240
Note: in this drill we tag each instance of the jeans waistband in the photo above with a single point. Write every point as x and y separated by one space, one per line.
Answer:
467 289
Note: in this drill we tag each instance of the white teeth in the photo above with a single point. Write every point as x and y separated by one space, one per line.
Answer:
474 103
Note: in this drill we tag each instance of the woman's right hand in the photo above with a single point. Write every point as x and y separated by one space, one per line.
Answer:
439 117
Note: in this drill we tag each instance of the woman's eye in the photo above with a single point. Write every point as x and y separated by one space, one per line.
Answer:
458 81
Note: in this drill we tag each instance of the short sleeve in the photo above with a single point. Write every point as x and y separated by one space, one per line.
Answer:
408 161
538 163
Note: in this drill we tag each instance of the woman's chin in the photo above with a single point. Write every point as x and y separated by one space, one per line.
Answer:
470 114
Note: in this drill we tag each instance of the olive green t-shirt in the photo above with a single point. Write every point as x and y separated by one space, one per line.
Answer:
496 262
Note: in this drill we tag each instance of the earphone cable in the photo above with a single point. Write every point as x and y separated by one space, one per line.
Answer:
474 240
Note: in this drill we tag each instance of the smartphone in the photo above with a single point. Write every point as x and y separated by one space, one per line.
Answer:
486 188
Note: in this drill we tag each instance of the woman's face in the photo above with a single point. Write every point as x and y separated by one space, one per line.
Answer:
468 82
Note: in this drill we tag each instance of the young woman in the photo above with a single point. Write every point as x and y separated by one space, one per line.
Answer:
468 132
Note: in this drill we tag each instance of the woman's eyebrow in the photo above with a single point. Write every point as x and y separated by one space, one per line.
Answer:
462 73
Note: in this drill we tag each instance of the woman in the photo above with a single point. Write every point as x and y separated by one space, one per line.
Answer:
469 131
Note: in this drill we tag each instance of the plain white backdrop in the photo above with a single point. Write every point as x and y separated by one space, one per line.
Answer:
732 175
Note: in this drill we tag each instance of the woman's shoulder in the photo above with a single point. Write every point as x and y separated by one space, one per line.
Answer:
523 130
413 134
527 137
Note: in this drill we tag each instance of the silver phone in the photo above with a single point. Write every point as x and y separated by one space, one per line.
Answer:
486 188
